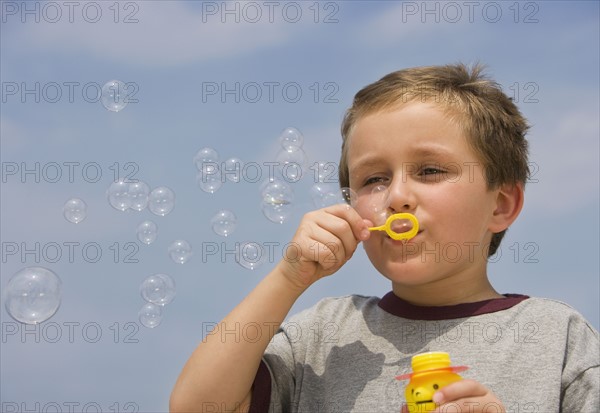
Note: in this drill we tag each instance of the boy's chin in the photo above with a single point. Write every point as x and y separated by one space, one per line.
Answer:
407 272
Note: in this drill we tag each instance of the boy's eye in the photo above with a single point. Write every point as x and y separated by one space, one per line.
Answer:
432 174
374 180
431 171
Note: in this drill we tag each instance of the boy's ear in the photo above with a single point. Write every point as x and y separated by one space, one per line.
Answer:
509 202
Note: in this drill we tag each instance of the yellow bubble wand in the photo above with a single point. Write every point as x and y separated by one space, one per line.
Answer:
402 216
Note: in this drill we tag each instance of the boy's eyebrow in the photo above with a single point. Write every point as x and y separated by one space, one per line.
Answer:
431 150
421 151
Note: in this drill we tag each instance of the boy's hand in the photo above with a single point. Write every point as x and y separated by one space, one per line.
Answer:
467 396
324 241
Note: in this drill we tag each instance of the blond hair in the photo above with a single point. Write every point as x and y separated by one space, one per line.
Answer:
492 123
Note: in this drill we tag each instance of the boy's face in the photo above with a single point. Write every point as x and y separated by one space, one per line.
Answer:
424 160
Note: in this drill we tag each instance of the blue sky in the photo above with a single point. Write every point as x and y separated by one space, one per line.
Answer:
293 64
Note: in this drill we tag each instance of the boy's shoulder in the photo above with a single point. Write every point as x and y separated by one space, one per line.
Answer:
550 307
552 311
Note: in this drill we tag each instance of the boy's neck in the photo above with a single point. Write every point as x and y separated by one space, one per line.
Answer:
445 293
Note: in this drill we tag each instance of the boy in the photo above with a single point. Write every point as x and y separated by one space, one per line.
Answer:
447 146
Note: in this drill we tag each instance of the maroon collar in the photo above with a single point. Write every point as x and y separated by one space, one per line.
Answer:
398 307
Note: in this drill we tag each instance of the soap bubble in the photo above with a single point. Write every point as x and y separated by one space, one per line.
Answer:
205 156
233 169
75 210
147 232
324 195
373 204
150 315
118 195
250 255
224 223
349 196
291 138
379 201
138 194
291 163
33 295
209 180
278 213
326 172
277 198
161 201
115 95
158 289
180 251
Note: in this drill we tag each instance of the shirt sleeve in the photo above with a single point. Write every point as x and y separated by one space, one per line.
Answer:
581 371
274 384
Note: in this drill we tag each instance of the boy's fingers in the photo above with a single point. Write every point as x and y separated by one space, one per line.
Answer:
358 225
326 248
459 390
340 232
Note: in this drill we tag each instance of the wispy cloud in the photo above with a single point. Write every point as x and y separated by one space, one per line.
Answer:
151 37
565 163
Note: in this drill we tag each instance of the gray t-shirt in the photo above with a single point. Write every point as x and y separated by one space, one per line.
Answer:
343 354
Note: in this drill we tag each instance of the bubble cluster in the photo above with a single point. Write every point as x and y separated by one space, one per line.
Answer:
75 210
33 295
157 290
124 196
250 255
180 251
161 201
147 232
208 176
224 223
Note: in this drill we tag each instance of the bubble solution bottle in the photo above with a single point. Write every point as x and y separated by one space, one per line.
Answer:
431 372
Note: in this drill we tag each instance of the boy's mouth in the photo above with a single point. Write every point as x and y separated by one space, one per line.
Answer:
401 225
404 241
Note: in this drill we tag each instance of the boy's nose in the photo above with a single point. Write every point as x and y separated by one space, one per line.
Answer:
401 196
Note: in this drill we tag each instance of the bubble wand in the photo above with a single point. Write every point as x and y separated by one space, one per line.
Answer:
402 217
